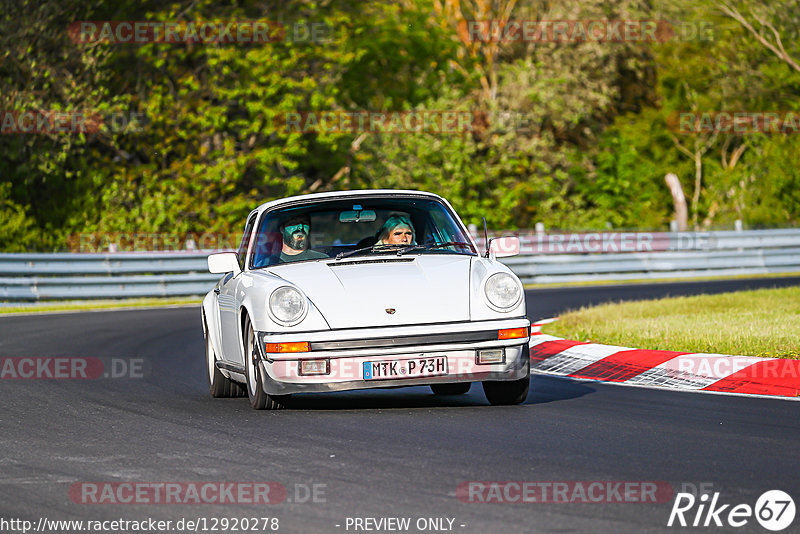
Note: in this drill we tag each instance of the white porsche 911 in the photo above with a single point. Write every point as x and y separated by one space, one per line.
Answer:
364 289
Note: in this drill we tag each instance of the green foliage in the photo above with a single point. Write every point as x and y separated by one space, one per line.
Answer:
575 135
768 188
16 227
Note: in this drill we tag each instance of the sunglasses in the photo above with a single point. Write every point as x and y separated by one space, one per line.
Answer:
292 228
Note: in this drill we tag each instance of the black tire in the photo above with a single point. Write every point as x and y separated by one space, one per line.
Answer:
509 392
219 386
451 389
259 399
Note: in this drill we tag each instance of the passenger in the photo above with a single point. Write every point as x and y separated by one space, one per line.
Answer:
397 230
296 240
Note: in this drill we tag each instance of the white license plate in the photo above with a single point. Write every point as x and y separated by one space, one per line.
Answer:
405 368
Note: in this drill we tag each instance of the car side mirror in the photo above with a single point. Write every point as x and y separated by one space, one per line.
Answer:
223 262
503 247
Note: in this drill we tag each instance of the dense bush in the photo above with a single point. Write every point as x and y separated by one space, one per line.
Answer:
575 135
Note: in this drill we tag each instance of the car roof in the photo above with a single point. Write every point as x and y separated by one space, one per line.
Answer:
339 194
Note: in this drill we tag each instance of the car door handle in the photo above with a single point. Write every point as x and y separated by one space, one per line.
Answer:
216 290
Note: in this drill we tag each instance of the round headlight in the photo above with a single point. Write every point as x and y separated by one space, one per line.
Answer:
502 290
287 305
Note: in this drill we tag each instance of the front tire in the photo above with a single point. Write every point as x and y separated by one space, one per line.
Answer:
219 386
259 399
509 392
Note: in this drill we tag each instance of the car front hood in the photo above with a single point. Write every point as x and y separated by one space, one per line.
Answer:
385 290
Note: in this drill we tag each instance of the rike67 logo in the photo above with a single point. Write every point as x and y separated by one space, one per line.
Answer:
774 510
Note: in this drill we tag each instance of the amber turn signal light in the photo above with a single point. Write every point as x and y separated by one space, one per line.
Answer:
513 333
296 346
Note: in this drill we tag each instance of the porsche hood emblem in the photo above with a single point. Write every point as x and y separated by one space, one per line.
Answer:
390 311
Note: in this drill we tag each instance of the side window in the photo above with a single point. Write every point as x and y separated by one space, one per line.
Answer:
248 233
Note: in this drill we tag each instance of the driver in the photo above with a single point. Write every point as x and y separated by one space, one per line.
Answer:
296 236
397 230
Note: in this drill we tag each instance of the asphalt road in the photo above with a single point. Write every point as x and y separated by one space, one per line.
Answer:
395 453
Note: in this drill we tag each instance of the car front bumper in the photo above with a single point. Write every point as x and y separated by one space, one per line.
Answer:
348 350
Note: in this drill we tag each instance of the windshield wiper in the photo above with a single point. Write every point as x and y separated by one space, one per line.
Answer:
410 248
401 249
375 248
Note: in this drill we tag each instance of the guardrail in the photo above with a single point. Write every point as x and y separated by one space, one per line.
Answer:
610 256
544 258
90 276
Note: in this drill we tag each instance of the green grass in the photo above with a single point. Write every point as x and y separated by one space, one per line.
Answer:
764 322
99 305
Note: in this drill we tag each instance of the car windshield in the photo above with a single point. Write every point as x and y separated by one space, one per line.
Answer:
336 229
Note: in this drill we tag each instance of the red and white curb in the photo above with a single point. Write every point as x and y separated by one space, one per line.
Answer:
719 373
